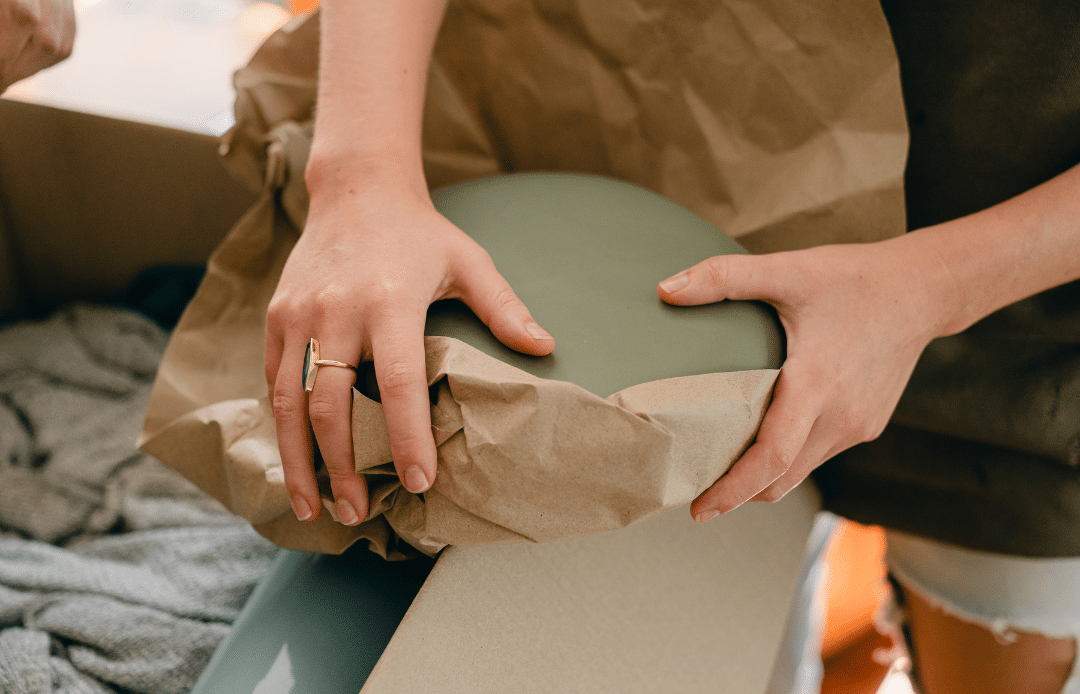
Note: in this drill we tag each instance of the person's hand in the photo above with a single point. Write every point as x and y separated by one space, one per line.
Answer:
856 317
34 35
360 280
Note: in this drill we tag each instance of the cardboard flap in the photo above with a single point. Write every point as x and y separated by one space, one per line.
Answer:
663 606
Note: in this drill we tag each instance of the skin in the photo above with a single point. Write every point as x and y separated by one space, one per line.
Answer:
858 316
369 201
945 646
375 254
34 35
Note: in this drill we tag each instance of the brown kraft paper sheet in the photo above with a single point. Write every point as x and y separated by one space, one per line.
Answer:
808 144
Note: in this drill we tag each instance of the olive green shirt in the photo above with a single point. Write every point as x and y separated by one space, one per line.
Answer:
984 447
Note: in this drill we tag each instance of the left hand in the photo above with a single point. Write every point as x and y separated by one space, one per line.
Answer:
34 35
857 318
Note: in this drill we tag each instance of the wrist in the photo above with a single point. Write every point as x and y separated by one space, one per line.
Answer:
927 278
331 172
966 277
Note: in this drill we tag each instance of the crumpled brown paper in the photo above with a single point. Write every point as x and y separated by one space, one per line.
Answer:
527 458
781 121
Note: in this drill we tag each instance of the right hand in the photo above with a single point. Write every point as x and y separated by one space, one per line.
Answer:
360 279
34 35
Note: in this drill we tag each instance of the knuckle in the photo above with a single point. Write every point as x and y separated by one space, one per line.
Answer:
322 411
779 459
288 310
772 494
384 293
329 302
506 300
388 307
284 404
716 270
398 377
279 312
408 443
725 497
294 483
341 478
380 294
275 312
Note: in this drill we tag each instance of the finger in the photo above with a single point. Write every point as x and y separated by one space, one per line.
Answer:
293 434
330 412
64 22
491 298
275 345
723 277
814 453
783 434
401 373
780 488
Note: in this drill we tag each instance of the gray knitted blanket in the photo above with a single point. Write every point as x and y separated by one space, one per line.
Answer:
116 574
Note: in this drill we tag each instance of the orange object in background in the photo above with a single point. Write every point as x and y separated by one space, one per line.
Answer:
857 586
856 590
298 6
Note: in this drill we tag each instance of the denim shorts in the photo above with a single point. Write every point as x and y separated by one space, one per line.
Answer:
1003 593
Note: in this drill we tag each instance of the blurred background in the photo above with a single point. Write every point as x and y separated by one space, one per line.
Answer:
166 62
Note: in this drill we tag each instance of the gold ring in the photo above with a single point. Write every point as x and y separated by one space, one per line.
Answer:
312 364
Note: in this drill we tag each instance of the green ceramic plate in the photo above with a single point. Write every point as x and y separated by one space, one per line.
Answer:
585 254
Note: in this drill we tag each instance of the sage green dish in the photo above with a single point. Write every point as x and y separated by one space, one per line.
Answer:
584 253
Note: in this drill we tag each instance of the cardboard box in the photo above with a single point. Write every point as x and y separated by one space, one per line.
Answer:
661 606
86 202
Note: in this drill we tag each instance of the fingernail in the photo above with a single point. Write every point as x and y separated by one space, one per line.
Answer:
346 512
415 480
705 516
674 284
537 332
300 508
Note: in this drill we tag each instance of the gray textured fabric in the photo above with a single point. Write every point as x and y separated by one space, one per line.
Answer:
116 574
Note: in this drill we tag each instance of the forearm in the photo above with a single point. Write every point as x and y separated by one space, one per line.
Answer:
374 60
984 261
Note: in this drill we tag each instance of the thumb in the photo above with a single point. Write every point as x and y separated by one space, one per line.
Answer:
722 277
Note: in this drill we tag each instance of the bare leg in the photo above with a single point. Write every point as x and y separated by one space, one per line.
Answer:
954 656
